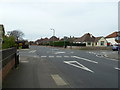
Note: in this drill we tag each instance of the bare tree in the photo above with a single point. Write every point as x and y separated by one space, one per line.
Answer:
16 33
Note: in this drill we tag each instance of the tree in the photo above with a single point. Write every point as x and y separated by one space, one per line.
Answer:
16 33
8 42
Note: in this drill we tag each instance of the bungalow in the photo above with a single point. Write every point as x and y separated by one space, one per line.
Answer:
89 40
100 41
113 38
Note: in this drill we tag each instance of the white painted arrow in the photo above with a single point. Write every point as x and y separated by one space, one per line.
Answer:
78 66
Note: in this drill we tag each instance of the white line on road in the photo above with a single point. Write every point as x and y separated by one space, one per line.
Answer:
36 56
58 56
51 56
117 68
58 80
84 59
24 61
73 63
59 52
101 56
66 56
43 56
32 51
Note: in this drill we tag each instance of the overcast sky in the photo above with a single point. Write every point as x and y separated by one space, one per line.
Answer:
67 17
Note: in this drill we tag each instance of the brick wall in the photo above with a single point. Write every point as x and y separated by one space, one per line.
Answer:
6 69
8 61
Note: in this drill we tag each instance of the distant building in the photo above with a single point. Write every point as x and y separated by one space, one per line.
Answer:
113 38
100 41
53 38
89 40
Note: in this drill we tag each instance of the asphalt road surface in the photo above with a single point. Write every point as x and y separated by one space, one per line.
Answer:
48 67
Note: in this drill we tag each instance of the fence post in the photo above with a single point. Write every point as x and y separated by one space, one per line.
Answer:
16 59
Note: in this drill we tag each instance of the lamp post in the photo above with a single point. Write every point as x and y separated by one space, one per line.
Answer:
53 35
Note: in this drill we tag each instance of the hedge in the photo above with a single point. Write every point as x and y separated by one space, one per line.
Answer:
59 43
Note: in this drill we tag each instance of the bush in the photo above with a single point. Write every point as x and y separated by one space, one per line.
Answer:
8 42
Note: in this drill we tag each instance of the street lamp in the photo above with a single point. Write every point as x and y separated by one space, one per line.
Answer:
53 35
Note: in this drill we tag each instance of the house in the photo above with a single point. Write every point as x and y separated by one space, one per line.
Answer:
45 41
113 38
53 38
89 40
42 41
100 41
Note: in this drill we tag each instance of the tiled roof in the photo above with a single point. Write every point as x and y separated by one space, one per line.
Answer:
86 38
114 34
97 39
54 38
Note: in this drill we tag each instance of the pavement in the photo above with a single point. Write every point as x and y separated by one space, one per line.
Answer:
49 67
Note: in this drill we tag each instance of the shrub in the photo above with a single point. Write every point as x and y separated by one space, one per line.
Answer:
8 42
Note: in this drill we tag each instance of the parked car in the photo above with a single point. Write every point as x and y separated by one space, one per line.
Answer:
116 47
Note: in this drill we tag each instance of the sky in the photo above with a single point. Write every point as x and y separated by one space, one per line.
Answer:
35 18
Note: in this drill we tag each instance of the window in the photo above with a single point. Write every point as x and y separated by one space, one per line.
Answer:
89 43
102 43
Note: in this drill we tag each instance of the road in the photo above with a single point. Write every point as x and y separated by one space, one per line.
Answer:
48 67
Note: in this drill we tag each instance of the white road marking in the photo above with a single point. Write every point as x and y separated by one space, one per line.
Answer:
117 68
99 55
58 80
66 56
91 52
112 59
106 58
59 52
25 49
32 51
78 65
36 56
43 56
58 56
24 61
84 59
51 56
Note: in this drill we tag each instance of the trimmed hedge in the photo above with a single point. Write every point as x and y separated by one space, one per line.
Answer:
59 43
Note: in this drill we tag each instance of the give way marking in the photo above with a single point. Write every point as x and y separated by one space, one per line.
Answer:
78 65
